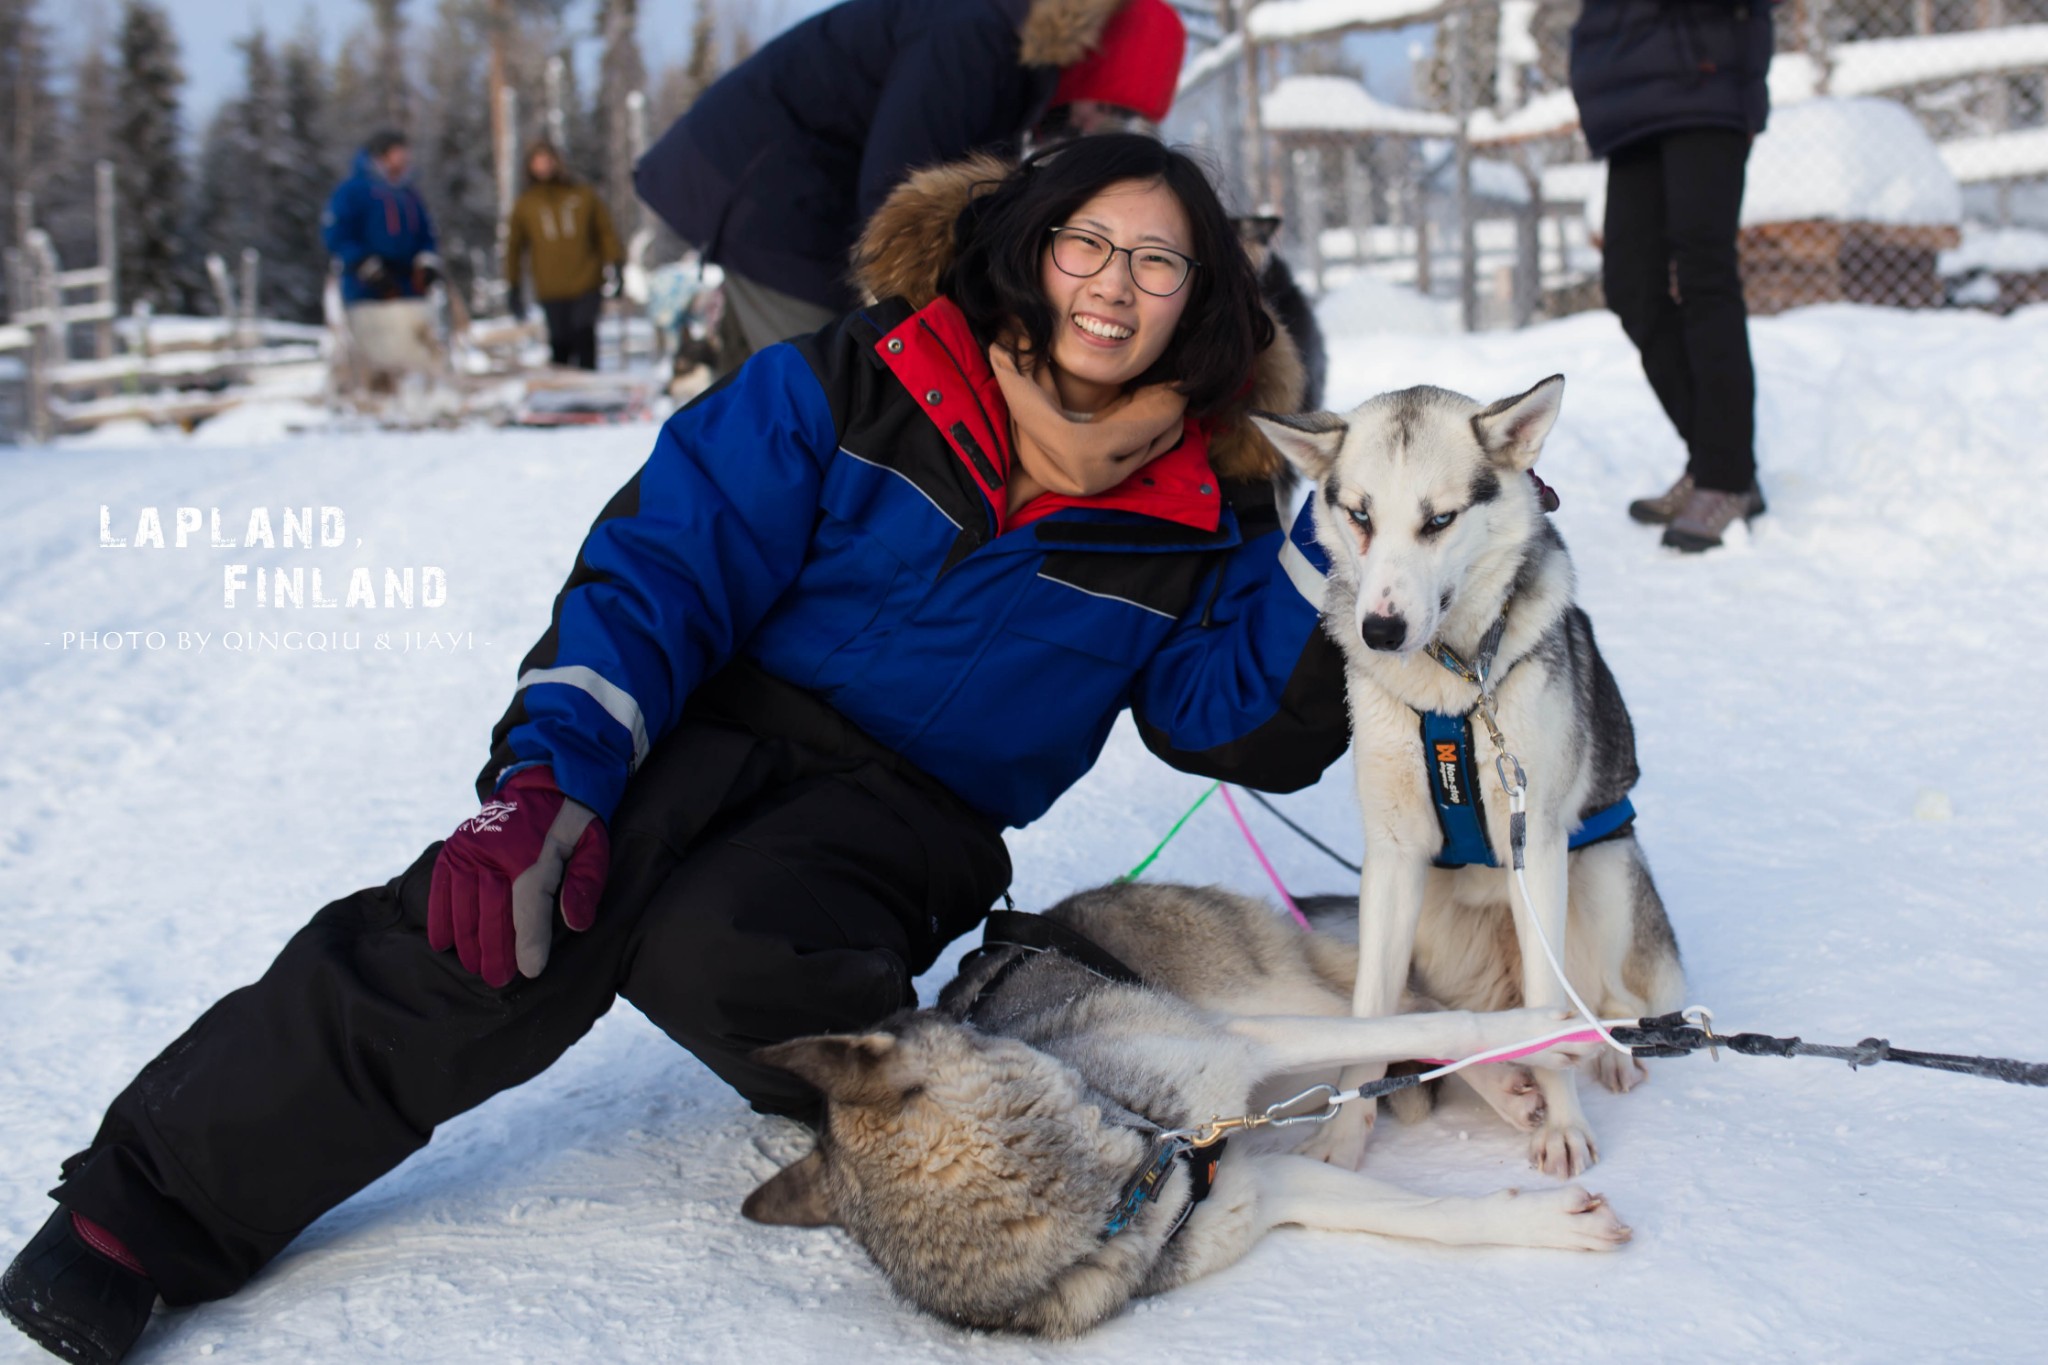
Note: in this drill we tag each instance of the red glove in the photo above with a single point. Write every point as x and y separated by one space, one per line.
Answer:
495 882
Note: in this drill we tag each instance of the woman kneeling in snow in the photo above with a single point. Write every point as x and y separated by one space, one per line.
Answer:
867 604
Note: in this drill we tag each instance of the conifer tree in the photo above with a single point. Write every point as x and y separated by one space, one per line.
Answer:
28 127
156 264
621 71
70 204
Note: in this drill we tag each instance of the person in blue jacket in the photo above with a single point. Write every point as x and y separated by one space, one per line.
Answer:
871 601
772 172
378 228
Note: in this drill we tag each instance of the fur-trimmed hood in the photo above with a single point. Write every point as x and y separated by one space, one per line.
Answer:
1062 32
908 244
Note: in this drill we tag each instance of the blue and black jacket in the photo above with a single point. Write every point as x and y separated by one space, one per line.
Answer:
834 515
369 215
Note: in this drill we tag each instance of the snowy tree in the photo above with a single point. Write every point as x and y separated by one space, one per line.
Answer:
452 146
149 173
620 73
388 82
28 127
70 208
309 167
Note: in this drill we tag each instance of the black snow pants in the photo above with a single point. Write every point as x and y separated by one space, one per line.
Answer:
766 883
572 329
1673 206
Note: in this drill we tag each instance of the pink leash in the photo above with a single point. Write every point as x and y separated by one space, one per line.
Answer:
1260 854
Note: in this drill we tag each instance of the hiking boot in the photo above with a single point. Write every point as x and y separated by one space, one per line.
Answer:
1708 514
1659 510
74 1298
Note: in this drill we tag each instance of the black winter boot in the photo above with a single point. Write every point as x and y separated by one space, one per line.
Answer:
72 1300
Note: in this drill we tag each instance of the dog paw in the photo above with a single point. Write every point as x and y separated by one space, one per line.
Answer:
1511 1091
1571 1219
1563 1151
1618 1073
1341 1141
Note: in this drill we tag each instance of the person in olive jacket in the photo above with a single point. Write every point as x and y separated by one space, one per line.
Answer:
562 224
1672 93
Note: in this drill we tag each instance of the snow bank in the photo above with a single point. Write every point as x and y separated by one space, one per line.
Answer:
1849 160
1339 104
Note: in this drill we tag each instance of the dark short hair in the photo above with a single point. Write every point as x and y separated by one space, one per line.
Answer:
1000 239
384 141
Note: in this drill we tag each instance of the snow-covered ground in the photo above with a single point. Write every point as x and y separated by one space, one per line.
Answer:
1843 797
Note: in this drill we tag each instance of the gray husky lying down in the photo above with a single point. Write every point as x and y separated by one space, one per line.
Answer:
1000 1155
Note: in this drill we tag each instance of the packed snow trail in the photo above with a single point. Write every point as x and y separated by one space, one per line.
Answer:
1843 801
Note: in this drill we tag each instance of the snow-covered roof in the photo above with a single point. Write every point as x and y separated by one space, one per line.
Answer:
1882 64
2016 155
1279 21
2005 250
1339 104
1548 115
1211 61
1849 160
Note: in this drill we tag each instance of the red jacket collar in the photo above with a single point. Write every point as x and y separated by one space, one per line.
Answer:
933 355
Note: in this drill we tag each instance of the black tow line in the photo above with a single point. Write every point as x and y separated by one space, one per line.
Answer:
1673 1035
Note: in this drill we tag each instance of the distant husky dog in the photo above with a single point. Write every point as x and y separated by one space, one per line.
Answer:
1004 1156
1286 301
1444 567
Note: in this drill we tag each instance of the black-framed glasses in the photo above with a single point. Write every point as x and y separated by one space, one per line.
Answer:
1159 271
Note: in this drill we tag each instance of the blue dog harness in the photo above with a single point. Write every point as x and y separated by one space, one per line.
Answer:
1453 786
1453 783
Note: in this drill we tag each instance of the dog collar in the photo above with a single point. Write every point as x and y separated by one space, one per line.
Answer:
1143 1187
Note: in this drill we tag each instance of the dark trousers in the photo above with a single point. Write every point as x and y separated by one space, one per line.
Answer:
572 329
1673 204
760 889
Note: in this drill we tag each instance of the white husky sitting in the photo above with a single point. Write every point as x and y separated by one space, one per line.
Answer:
1445 570
1006 1157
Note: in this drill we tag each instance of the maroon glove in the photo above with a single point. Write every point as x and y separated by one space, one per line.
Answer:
493 894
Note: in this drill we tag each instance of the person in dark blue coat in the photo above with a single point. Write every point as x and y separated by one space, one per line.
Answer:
870 602
378 228
1671 93
773 170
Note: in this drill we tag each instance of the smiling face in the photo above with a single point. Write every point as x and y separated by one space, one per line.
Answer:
1106 330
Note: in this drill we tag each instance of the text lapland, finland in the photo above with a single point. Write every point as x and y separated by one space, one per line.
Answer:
293 529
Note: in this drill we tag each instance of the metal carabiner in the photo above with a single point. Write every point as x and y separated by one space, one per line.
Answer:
1276 1114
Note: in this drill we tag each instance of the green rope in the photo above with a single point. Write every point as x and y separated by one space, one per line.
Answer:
1153 856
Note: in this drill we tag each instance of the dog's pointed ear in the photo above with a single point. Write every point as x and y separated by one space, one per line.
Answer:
1309 440
794 1197
848 1068
1512 430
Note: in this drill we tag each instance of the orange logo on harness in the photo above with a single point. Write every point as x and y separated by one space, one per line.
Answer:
1447 753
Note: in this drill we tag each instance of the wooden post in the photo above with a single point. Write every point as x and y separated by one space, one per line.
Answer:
505 157
46 336
245 317
110 252
1256 171
1468 229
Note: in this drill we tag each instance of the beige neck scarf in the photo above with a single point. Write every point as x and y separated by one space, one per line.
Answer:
1056 453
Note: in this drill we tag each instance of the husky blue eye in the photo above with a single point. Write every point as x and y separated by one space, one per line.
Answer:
1363 519
1440 521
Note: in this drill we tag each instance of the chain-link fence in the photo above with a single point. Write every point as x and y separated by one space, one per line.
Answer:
1906 162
